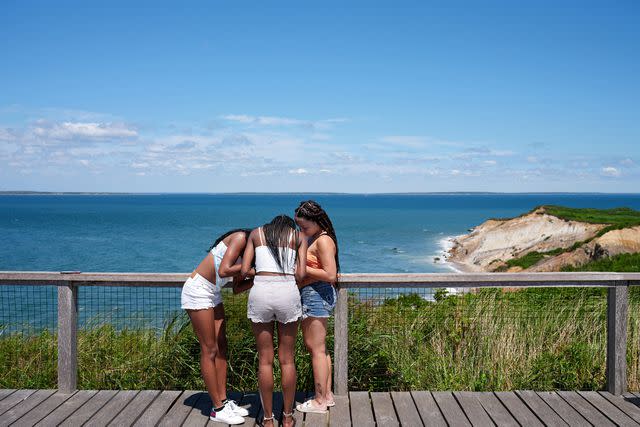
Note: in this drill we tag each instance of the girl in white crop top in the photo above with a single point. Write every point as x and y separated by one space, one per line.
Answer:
280 259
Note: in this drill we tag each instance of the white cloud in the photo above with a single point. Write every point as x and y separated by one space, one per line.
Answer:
532 159
412 141
299 171
490 162
610 171
627 162
79 130
282 121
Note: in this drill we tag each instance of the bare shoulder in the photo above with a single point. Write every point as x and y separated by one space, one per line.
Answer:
325 243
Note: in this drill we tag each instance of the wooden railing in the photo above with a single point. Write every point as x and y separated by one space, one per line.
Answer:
617 307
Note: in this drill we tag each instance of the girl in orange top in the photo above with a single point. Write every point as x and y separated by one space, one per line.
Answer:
318 296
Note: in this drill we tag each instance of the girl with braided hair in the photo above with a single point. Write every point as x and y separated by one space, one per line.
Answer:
318 296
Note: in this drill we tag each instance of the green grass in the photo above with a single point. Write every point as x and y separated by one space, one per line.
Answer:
490 340
617 217
531 258
620 263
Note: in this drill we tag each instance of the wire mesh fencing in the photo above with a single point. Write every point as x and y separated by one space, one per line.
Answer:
485 339
399 339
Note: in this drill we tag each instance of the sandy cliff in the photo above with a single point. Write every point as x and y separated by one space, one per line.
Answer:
491 244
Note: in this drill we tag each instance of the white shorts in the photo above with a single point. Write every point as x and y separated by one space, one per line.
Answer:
274 298
198 294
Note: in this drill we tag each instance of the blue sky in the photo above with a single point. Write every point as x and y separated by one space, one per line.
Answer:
324 96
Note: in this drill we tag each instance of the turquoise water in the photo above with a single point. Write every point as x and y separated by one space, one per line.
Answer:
170 233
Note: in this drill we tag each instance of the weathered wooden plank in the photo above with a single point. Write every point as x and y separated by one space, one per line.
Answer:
339 415
623 403
496 410
406 408
23 403
383 410
113 407
135 408
607 408
6 392
473 408
585 409
361 412
632 398
67 408
93 405
563 409
47 406
15 398
199 415
67 338
157 409
518 409
617 309
341 343
450 409
253 401
181 408
428 409
538 406
351 280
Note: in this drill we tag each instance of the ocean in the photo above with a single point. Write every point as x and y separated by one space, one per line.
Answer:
171 233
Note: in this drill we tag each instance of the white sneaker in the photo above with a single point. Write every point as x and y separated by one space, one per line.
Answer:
226 415
238 410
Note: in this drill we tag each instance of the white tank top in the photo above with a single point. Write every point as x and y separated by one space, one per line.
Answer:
265 262
218 253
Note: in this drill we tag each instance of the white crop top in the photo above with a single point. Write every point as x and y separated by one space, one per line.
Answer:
265 262
218 253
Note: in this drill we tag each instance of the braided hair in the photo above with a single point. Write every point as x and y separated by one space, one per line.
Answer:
312 211
220 238
277 234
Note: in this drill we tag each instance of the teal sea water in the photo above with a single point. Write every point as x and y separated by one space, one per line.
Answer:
171 233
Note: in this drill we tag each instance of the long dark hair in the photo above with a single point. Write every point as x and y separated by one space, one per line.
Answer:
277 234
220 238
312 211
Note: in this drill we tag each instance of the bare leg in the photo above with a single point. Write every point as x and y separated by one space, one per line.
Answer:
314 332
286 343
203 325
264 341
220 326
329 378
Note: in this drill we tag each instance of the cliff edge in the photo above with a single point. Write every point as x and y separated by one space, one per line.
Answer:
548 238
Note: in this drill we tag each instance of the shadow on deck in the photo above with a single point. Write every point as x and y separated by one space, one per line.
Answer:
416 408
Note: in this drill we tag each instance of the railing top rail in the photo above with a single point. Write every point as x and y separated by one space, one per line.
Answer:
349 280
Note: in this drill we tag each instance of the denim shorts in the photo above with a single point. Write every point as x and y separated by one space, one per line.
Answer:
318 300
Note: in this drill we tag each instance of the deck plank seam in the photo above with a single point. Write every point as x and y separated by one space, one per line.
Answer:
551 407
124 406
146 406
588 404
393 405
533 411
97 409
8 395
597 409
417 409
43 402
455 398
615 408
506 409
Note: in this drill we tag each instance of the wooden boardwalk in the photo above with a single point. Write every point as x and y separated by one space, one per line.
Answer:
416 408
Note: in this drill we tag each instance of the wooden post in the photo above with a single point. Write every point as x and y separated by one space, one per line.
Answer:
617 308
67 338
341 344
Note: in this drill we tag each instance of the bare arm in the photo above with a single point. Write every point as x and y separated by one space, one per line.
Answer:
228 266
249 253
301 263
241 285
